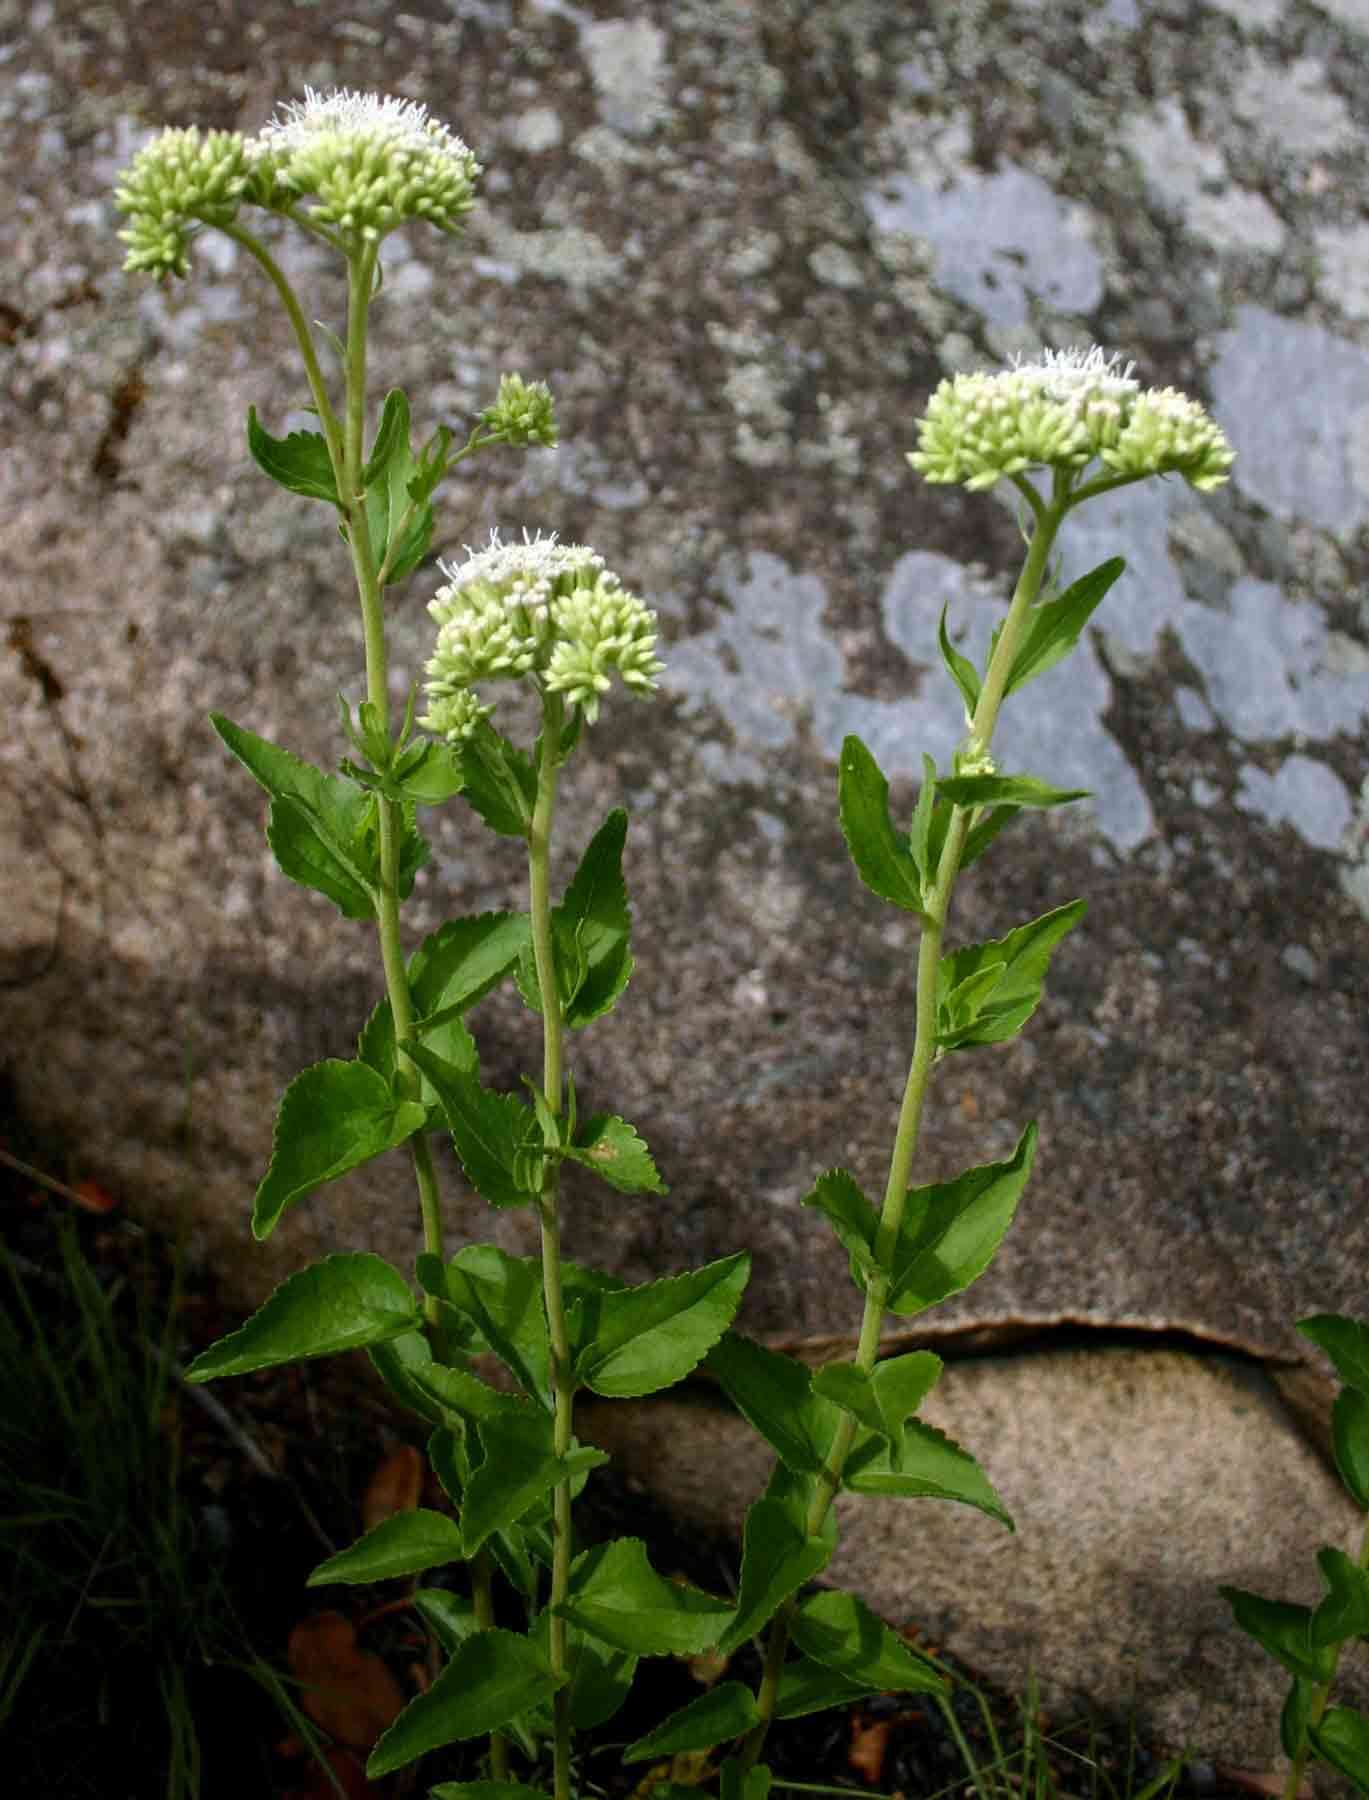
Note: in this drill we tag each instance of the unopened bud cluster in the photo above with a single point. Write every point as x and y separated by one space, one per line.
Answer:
365 163
549 611
1072 408
523 413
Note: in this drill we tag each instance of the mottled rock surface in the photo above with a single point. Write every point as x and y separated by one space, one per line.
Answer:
742 243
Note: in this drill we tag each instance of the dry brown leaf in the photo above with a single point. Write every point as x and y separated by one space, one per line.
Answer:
347 1691
869 1741
394 1488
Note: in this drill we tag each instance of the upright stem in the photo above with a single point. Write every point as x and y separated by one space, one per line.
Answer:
1321 1694
828 1484
563 1391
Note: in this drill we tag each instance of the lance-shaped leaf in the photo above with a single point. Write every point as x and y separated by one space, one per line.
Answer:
883 1399
927 834
1295 1716
951 1229
1053 626
601 1676
1350 1438
452 1616
333 1117
928 1465
397 1362
318 825
404 1544
458 1391
777 1559
775 1394
1346 1342
400 529
840 1632
973 1006
1006 790
500 781
300 462
612 1149
724 1712
809 1687
501 1296
491 1679
961 670
519 1467
1282 1629
489 1130
641 1339
590 929
344 1302
1344 1610
837 1195
883 859
616 1595
1343 1739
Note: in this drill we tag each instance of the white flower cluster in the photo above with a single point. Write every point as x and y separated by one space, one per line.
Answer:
1071 408
551 611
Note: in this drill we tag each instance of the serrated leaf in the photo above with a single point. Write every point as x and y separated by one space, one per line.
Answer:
809 1687
1342 1739
1350 1440
501 1296
840 1632
405 1544
590 929
1001 1012
777 1559
386 480
611 1148
837 1196
641 1339
299 462
519 1467
458 1391
490 1680
1345 1341
318 825
722 1713
795 1496
344 1302
333 1117
1006 790
1053 626
881 1401
1282 1629
961 670
488 1129
1343 1612
500 781
397 1361
928 1465
434 776
774 1393
452 1616
884 860
617 1596
951 1229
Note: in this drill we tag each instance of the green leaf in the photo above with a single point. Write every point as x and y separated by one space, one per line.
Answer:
398 1362
722 1713
612 1149
601 1678
924 840
433 775
299 462
333 1117
1342 1739
501 1295
925 1464
1053 626
1294 1718
882 1400
734 1782
519 1467
452 1616
1282 1629
1006 790
980 836
795 1495
319 826
962 671
641 1339
883 859
404 1544
1346 1342
344 1302
486 1790
617 1596
488 1129
590 929
1344 1610
774 1393
491 1679
951 1229
386 479
500 781
777 1559
989 1014
1350 1439
809 1687
458 1391
840 1632
837 1195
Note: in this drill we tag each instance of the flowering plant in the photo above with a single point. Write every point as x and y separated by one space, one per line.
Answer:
349 169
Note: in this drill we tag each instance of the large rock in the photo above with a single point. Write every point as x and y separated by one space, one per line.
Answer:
742 243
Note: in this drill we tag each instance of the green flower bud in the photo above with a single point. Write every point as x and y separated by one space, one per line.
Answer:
177 183
368 162
1166 433
454 716
523 413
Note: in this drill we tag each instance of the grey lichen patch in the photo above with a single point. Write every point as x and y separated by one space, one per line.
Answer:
1194 179
1302 792
1290 107
1343 253
627 60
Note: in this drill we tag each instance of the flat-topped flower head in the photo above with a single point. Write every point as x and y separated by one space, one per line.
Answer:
369 162
1065 411
538 608
178 183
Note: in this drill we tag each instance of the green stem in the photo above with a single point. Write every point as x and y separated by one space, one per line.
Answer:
563 1389
828 1484
482 1593
1321 1695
